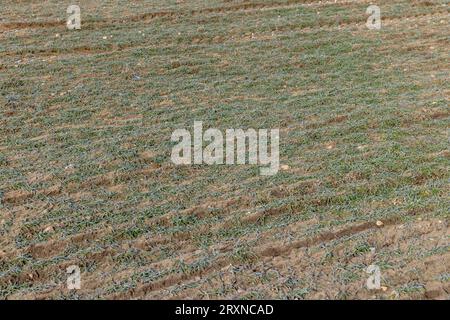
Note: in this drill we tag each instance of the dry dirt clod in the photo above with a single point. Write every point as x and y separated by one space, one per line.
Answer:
433 290
285 167
379 223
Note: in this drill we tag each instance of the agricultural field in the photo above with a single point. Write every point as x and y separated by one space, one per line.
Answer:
86 177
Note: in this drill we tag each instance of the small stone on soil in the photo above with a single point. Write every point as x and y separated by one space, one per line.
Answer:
48 229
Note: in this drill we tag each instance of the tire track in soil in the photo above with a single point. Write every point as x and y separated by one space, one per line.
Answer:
202 211
409 232
173 279
52 248
273 251
170 281
173 15
115 48
223 260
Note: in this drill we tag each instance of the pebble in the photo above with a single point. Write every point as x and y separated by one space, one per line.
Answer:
48 229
